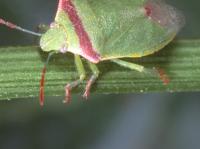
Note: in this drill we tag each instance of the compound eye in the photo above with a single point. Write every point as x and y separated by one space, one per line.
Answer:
53 40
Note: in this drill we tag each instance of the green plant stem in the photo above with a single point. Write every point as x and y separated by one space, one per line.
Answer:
21 67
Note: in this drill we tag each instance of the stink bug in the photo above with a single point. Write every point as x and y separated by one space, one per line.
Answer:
100 30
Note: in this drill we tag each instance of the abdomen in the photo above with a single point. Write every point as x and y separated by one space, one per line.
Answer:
128 28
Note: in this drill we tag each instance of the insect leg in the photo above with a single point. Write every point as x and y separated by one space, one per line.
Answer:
92 79
154 71
82 74
129 65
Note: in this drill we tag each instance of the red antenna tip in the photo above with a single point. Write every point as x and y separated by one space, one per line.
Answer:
41 97
148 10
42 81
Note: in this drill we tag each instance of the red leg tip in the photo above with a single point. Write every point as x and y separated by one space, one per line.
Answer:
2 21
86 94
87 90
163 76
67 94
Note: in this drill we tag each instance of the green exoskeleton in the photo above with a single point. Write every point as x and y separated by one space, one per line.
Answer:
100 30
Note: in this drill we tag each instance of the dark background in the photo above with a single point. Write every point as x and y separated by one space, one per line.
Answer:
143 121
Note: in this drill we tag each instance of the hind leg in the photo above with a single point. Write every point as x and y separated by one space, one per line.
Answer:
82 74
92 79
154 71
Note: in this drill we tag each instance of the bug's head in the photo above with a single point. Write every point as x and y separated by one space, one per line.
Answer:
54 39
165 15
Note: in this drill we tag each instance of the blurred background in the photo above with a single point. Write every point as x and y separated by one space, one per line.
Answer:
143 121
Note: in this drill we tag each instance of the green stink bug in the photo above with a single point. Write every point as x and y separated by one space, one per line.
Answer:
107 30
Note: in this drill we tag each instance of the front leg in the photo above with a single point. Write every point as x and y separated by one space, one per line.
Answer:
82 74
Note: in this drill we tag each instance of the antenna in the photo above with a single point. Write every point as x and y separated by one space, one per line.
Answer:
42 81
13 26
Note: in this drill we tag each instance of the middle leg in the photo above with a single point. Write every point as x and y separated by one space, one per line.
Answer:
92 79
